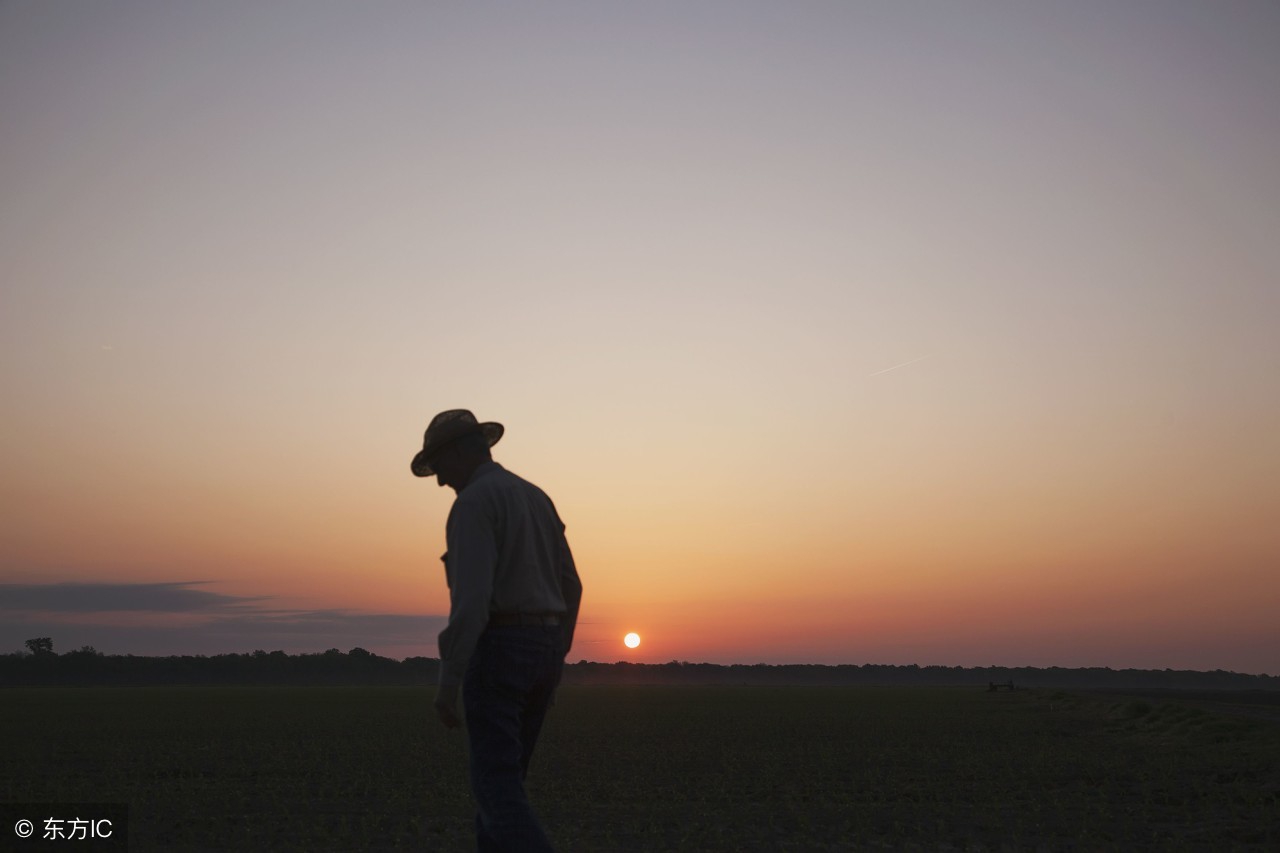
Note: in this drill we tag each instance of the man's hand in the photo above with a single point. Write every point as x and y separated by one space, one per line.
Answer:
447 706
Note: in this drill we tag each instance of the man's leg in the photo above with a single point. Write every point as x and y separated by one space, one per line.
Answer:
502 679
536 708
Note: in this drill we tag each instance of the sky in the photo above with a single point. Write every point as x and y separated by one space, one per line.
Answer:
839 332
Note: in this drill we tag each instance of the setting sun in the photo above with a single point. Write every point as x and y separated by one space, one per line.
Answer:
631 640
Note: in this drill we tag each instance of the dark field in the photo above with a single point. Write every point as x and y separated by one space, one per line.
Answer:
660 768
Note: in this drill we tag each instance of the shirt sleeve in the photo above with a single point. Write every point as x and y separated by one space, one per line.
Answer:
472 557
571 589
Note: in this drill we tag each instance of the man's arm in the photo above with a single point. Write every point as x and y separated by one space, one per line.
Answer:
571 589
473 555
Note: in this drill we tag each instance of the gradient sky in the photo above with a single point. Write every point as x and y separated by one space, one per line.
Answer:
839 332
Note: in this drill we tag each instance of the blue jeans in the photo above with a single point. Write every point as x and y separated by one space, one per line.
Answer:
506 692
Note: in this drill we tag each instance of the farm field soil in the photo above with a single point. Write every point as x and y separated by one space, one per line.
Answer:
657 769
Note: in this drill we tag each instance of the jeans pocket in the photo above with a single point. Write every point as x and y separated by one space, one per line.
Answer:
508 664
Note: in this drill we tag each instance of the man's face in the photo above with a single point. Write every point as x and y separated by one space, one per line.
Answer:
438 465
445 463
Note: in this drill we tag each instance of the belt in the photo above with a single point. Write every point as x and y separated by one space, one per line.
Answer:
507 619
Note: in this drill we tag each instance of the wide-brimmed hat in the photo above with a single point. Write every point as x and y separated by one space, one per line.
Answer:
450 426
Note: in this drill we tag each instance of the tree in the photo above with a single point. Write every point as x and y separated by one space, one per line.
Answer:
40 645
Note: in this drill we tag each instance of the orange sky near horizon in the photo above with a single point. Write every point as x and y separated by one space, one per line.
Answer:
851 335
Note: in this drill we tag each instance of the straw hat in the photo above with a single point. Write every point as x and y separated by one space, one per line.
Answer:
450 426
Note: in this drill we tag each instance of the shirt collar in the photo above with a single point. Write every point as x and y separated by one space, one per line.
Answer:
483 470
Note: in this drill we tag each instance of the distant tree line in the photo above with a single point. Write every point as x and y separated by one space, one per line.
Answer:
41 666
683 672
86 666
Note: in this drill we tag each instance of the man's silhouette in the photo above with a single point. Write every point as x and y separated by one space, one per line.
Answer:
514 595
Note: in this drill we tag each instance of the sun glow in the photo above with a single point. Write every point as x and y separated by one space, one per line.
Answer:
631 640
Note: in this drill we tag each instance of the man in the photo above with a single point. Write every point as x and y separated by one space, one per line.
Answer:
514 596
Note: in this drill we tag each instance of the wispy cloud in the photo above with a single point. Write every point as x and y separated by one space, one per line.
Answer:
172 597
181 618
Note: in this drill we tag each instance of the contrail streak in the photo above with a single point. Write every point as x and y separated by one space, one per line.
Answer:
896 366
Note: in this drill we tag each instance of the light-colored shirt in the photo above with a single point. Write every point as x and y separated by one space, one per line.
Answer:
507 553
